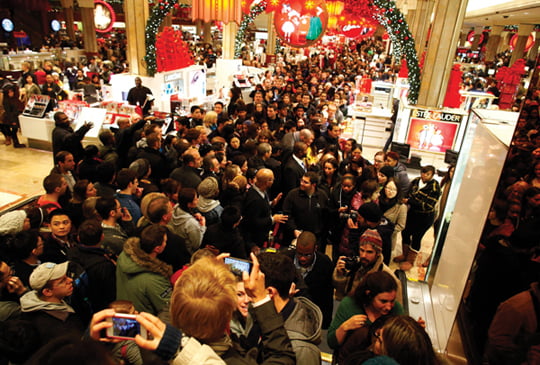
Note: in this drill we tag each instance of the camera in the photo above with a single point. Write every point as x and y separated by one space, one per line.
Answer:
352 263
353 214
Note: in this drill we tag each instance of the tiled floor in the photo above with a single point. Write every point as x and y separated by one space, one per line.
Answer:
21 172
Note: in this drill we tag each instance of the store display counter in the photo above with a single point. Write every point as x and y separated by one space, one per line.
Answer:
38 132
370 128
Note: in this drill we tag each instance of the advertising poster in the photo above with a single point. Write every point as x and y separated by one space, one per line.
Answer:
433 130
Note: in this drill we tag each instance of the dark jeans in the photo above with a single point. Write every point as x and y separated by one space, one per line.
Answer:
415 228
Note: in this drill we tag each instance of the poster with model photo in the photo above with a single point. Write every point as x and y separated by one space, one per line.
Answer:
432 130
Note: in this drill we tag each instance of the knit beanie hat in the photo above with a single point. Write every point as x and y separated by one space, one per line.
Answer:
370 212
372 237
388 171
12 222
208 188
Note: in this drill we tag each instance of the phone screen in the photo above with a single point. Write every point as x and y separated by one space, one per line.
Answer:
125 327
238 265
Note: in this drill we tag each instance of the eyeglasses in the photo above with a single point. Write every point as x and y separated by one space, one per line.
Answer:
377 335
306 255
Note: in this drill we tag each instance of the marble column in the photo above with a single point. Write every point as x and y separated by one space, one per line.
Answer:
524 31
503 43
137 13
198 29
207 32
87 18
422 22
69 18
229 37
441 51
493 42
271 41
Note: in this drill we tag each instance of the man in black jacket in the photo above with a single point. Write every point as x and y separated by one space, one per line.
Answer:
65 139
99 264
306 207
257 210
316 269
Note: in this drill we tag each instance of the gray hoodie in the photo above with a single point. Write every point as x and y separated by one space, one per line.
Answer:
187 227
30 302
304 329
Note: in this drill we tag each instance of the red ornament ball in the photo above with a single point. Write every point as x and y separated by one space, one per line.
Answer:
397 32
406 38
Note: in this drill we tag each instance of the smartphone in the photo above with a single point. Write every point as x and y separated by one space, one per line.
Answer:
125 327
238 265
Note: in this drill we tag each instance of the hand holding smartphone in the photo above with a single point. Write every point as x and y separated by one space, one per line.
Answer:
125 327
238 265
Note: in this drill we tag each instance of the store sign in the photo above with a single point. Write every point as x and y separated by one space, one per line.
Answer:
104 16
433 130
300 24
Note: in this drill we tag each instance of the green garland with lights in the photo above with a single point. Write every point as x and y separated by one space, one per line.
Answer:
389 16
246 21
159 11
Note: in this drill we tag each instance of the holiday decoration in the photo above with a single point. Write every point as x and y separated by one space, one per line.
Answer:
172 53
301 24
384 12
246 21
104 16
159 11
452 98
223 10
509 79
530 42
389 16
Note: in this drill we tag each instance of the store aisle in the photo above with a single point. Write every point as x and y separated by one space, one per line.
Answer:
21 172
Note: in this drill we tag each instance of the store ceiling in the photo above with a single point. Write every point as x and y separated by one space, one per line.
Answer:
502 12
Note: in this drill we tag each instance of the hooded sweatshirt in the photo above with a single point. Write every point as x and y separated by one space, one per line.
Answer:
142 279
304 329
51 319
186 226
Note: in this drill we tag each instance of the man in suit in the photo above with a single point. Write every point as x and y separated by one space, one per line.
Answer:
295 168
257 211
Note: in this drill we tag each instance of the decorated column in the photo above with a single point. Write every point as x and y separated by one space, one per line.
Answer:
523 33
87 18
137 13
67 5
493 42
441 49
477 38
533 53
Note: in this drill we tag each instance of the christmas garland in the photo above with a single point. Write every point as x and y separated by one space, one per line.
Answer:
389 16
246 21
159 11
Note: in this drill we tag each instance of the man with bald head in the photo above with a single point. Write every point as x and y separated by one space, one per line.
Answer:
257 211
316 270
138 95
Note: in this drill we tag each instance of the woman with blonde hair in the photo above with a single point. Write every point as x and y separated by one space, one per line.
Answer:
210 121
